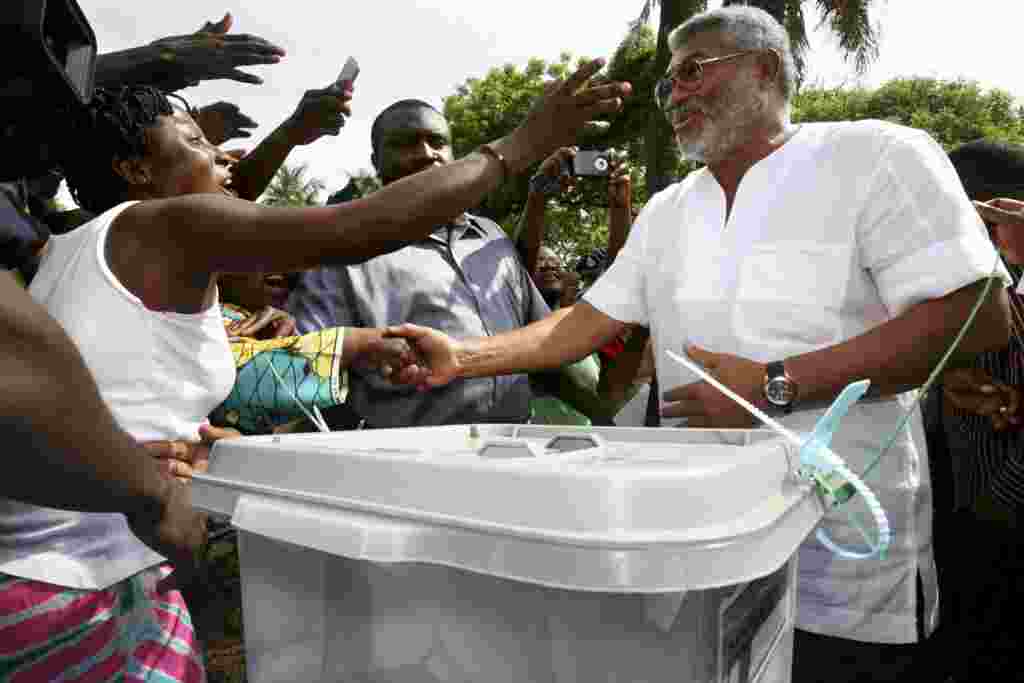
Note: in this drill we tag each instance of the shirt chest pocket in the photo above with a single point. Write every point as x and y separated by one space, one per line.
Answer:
792 291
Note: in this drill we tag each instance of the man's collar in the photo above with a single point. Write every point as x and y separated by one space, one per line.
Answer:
464 226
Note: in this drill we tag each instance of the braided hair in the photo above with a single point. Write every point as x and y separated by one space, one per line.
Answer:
113 126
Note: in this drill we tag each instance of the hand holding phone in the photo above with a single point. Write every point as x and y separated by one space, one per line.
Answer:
348 72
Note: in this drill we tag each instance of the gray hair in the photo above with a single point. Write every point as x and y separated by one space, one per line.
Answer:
747 28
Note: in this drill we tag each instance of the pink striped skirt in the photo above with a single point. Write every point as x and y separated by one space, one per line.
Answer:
128 632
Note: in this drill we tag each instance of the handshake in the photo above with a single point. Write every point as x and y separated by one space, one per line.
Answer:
408 355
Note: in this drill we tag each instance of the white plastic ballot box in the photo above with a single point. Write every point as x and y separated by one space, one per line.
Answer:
515 553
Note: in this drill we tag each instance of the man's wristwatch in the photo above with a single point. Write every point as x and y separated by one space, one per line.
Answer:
779 388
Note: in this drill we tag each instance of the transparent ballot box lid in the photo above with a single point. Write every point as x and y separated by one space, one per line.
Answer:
595 509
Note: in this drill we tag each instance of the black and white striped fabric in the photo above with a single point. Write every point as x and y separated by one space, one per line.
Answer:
985 461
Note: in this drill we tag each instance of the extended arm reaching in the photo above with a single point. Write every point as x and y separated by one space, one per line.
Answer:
186 238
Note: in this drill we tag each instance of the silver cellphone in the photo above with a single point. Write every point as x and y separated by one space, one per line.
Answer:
349 71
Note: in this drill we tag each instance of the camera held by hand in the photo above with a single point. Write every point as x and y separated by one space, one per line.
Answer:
584 163
591 163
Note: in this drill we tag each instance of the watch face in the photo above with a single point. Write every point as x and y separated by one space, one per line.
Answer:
780 391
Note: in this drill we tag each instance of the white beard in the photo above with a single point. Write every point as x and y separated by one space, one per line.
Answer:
730 117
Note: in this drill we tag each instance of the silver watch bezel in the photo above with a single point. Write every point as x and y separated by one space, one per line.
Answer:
780 391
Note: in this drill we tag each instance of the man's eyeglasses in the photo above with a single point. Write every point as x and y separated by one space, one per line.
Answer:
688 75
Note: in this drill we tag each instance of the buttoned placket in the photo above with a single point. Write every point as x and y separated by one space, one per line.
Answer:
455 232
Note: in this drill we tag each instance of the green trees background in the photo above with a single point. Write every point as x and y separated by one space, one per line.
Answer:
484 108
292 186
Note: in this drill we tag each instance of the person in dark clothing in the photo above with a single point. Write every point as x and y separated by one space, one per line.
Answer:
22 235
976 451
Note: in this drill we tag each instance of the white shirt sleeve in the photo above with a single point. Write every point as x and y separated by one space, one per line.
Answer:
620 293
919 235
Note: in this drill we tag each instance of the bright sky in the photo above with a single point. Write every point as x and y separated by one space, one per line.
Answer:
426 48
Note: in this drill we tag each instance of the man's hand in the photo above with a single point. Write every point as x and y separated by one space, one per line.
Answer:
182 459
434 347
557 118
223 121
620 185
393 358
974 391
706 406
1007 215
320 112
552 170
211 53
570 287
267 323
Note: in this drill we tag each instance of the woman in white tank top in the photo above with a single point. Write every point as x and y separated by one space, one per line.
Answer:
135 288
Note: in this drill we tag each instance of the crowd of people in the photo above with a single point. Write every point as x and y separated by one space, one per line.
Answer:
177 310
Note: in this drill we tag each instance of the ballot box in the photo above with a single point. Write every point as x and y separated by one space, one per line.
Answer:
515 553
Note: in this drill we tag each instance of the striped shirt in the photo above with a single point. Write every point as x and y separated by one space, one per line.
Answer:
984 461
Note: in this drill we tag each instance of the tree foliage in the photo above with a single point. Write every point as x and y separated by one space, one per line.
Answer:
291 187
849 20
487 108
662 157
366 182
483 109
953 112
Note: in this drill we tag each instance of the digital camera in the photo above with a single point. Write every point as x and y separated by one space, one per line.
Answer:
592 162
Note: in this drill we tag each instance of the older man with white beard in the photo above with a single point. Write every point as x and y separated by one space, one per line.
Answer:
801 258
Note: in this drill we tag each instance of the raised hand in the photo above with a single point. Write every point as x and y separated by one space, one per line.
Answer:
553 176
558 117
223 121
620 185
320 112
570 287
212 53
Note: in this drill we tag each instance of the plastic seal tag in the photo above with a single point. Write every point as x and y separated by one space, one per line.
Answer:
818 462
823 466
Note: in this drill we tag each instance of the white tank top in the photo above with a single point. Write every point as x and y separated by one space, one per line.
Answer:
160 374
